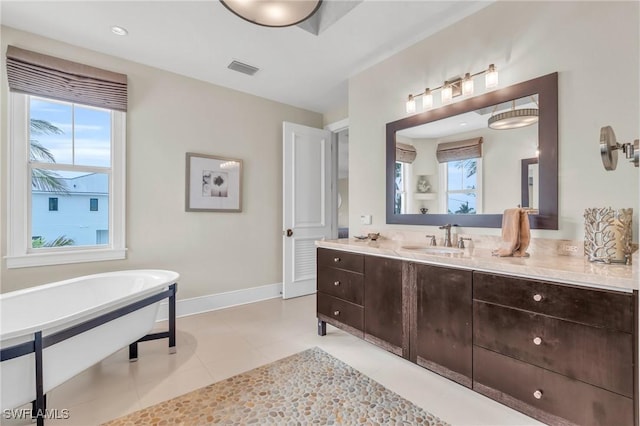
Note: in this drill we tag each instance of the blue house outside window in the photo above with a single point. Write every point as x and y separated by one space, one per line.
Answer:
93 204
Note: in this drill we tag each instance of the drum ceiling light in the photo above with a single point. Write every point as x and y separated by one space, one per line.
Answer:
273 13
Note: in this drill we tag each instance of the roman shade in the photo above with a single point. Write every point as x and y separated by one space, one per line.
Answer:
405 153
42 75
459 150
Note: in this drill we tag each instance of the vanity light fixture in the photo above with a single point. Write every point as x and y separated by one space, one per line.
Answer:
411 104
453 88
514 118
609 147
447 93
273 13
467 85
491 77
427 99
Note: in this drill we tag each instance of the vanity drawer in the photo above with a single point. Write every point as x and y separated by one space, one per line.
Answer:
594 355
588 306
340 259
342 284
516 383
341 311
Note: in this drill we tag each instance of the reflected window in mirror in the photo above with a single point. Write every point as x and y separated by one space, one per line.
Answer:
461 186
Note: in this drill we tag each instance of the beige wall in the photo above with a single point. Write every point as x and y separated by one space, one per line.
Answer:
168 116
335 115
592 45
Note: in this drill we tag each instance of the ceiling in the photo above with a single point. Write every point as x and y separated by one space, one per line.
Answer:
200 38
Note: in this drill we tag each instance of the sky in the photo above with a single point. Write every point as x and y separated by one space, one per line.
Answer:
86 136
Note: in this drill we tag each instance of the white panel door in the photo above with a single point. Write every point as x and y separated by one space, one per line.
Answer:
307 204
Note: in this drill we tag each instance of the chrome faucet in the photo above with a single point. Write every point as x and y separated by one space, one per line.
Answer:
433 240
447 234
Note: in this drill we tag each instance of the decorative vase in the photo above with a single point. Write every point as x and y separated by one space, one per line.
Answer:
607 235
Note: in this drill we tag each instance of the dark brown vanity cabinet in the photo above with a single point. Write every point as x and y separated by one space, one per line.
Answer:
556 352
442 334
563 354
340 282
383 304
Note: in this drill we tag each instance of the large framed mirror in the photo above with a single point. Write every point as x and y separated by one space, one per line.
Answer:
447 165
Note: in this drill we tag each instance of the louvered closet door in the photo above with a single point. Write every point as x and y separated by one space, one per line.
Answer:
307 204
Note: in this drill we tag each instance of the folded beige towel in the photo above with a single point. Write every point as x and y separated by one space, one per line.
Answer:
515 234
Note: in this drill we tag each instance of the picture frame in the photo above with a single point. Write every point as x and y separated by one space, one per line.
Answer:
212 183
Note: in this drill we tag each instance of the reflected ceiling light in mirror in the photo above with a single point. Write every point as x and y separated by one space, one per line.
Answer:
273 13
452 88
514 118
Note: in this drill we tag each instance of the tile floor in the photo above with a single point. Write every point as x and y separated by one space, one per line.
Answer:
216 345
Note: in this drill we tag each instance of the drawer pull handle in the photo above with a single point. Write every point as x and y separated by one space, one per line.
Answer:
336 283
537 297
537 394
336 259
537 341
336 313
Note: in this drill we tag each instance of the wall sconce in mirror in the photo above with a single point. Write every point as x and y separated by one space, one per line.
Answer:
452 88
273 13
514 118
609 148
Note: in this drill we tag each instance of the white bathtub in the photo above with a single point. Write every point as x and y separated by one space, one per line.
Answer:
57 306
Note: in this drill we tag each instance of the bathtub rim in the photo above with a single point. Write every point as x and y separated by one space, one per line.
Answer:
167 277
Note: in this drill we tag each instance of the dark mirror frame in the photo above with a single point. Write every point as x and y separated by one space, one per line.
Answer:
546 88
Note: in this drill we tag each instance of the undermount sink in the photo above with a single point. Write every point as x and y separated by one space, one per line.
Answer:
434 250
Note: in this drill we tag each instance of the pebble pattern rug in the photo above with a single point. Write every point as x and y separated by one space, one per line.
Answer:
310 387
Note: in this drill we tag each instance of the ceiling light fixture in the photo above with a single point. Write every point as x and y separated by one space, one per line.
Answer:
117 30
514 118
453 88
273 13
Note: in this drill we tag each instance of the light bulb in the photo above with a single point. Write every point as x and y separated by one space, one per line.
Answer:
491 77
447 93
427 99
467 85
411 105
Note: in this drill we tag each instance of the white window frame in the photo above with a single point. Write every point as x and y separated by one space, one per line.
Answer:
444 187
405 192
19 251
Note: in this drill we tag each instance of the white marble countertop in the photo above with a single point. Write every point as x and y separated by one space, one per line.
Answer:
565 269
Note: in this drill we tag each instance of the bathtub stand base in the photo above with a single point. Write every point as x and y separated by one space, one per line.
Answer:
170 334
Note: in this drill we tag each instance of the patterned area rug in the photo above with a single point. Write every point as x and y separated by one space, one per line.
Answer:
309 387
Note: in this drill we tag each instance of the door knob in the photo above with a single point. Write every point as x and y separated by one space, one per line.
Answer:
289 232
537 394
537 297
537 341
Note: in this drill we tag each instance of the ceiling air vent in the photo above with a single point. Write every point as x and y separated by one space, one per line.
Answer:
243 68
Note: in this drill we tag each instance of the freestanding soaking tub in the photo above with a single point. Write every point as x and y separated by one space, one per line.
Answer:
52 332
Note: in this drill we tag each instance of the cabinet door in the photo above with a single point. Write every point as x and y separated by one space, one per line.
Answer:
443 326
383 315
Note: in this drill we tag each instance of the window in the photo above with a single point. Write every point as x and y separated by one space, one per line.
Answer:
461 182
403 171
67 153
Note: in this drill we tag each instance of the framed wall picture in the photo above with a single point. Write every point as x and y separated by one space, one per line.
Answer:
213 184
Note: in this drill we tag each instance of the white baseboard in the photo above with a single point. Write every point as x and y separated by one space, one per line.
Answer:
212 302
